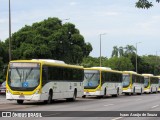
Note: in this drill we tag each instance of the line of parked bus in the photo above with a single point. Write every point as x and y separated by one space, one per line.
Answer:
45 80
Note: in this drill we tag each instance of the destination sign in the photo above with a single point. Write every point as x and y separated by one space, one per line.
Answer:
20 64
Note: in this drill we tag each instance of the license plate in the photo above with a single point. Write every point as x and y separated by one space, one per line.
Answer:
87 93
21 96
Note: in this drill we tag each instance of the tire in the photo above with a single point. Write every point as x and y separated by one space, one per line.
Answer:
116 95
74 96
84 96
156 91
129 94
20 101
105 92
140 93
134 91
49 101
151 91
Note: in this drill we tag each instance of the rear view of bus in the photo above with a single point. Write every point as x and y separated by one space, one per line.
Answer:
132 83
151 83
101 81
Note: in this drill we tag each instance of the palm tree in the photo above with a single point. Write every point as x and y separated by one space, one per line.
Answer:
130 49
115 51
121 51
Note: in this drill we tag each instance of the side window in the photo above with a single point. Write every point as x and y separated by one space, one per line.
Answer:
120 77
103 77
133 79
109 77
44 75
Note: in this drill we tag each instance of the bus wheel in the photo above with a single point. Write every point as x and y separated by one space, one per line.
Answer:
84 96
140 92
116 95
74 96
20 101
156 91
151 91
134 91
49 101
105 92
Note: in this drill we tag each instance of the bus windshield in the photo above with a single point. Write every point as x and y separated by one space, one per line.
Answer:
91 79
146 82
126 80
24 78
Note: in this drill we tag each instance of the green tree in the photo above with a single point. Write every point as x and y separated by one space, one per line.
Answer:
50 39
145 4
153 65
121 51
130 49
3 61
93 61
121 63
115 51
128 52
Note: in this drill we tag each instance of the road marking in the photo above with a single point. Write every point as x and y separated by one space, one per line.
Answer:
154 106
117 118
51 114
108 105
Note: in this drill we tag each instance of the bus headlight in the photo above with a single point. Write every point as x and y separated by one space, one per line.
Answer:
7 91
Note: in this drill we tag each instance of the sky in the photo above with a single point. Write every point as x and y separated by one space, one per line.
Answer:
123 23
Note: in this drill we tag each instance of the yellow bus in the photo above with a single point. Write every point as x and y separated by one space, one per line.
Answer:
102 81
43 80
133 83
151 83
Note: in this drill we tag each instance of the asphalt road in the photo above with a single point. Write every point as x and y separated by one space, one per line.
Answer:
91 107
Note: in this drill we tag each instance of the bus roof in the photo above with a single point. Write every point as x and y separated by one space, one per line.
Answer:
149 75
49 62
132 72
52 61
102 69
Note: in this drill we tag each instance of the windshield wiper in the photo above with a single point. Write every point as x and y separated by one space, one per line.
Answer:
90 77
20 75
28 73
